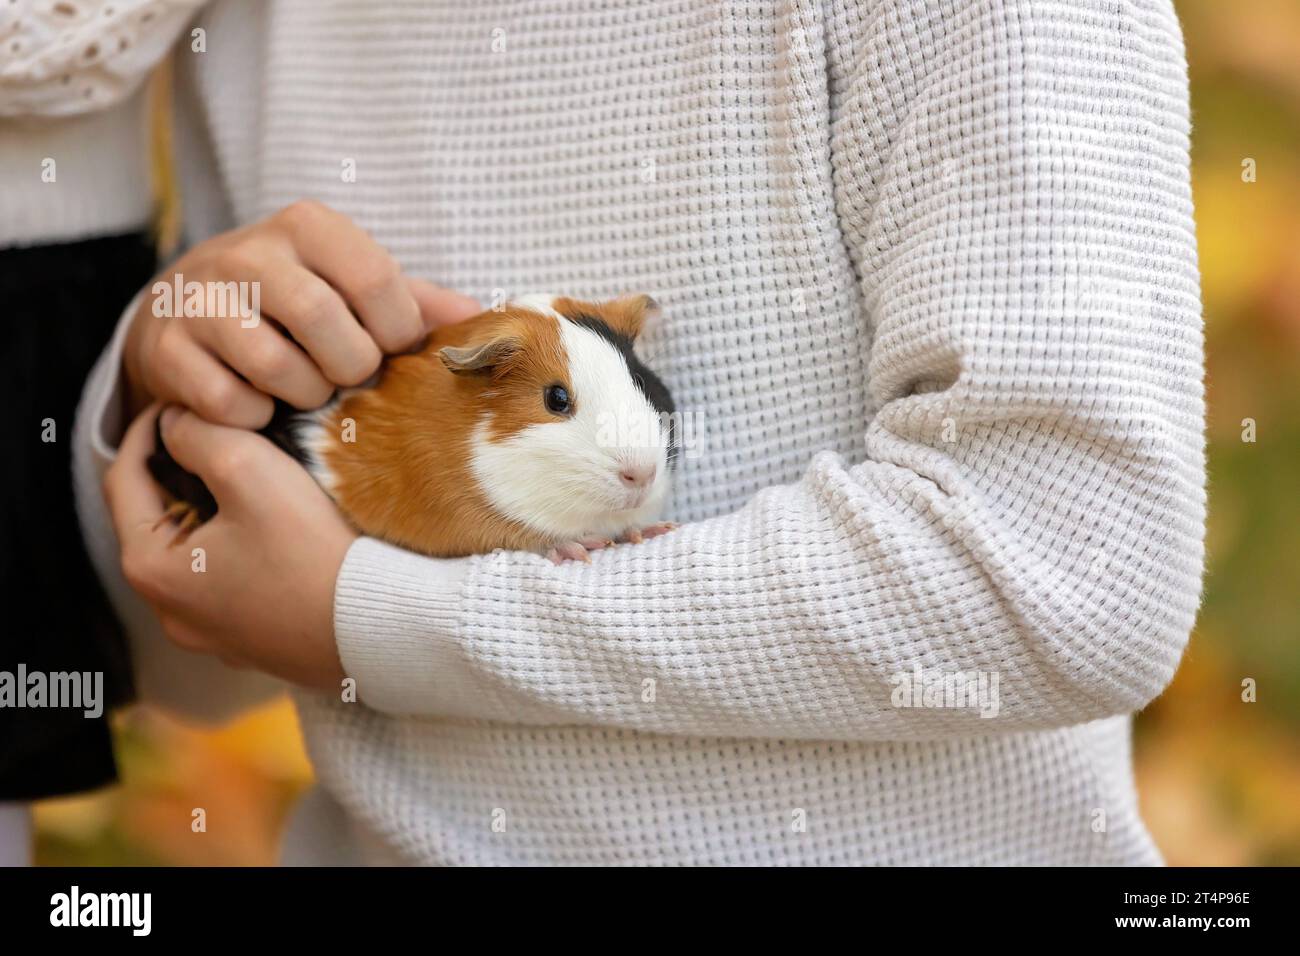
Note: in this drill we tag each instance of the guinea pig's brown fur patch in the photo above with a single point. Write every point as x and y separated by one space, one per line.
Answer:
406 477
626 316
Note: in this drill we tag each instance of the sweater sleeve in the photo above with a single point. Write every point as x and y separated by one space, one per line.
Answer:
82 56
1012 183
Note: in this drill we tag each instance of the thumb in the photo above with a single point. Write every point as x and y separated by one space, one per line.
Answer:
233 462
129 489
439 306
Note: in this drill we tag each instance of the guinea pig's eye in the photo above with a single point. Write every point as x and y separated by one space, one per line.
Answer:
557 399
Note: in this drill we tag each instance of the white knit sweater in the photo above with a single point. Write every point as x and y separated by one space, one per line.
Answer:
930 284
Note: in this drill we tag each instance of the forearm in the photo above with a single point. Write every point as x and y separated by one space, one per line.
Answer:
800 616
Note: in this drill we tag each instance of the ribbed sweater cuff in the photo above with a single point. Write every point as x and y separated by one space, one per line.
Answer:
396 617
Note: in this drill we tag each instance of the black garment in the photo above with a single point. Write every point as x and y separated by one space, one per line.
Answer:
58 307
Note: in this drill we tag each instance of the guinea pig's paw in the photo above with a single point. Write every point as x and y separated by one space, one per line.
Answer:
184 516
577 550
637 535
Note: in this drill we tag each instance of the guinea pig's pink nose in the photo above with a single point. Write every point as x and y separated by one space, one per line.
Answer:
637 476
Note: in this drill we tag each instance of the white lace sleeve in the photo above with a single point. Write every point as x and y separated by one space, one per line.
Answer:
65 57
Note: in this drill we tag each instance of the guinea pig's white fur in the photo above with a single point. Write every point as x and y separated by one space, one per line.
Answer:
563 477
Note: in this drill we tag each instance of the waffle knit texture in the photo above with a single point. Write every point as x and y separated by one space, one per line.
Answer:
929 277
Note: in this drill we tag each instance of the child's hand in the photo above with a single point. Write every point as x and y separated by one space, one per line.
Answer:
321 278
260 593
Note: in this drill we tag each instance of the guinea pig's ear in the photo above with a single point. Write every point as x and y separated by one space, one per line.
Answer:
480 358
633 314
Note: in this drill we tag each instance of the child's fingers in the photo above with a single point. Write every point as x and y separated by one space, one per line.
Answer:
343 254
188 373
439 306
319 320
234 463
134 500
271 362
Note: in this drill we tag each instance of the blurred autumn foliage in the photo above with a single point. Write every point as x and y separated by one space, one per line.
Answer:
244 778
1219 777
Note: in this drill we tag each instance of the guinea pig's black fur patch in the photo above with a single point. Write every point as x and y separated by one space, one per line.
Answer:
651 386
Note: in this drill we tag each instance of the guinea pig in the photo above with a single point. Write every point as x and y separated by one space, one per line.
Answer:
532 427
